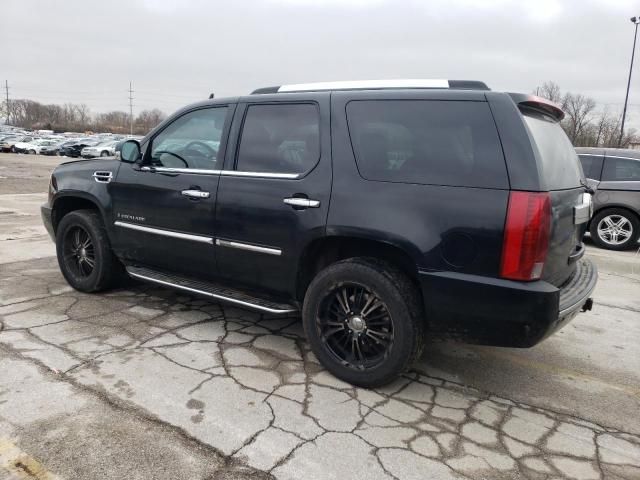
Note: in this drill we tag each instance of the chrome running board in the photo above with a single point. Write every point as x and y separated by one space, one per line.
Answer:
211 290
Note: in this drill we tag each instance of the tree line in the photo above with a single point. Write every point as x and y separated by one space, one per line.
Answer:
75 117
583 124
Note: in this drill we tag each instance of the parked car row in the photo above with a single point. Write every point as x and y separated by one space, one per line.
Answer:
90 146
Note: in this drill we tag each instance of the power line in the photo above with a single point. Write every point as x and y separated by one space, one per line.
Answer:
6 88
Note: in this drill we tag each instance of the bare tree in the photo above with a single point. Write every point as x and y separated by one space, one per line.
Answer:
582 123
147 119
577 108
550 91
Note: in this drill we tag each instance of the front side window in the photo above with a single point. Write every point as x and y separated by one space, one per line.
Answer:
621 170
429 142
191 141
280 138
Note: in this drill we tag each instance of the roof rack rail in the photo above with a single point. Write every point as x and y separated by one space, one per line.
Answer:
375 85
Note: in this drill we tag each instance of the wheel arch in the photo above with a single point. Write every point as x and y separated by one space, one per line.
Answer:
66 202
326 250
611 206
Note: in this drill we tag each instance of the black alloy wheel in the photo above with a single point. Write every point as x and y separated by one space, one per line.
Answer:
355 326
79 252
364 320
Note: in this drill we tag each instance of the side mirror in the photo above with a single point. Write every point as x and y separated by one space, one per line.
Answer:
130 151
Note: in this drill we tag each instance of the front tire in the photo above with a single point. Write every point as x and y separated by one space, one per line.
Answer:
615 229
84 253
364 321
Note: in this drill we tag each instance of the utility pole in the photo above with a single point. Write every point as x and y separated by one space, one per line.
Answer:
6 87
130 109
635 21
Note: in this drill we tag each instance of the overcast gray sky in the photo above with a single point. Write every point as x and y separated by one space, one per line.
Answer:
178 51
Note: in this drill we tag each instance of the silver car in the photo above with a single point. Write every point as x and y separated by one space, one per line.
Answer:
615 173
104 149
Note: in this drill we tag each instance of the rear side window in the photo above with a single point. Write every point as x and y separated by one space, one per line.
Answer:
591 165
280 138
621 170
427 141
559 161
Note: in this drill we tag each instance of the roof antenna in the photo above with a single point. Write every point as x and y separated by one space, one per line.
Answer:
210 96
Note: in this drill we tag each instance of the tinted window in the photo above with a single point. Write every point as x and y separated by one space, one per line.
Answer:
280 139
591 165
191 141
559 161
621 169
428 142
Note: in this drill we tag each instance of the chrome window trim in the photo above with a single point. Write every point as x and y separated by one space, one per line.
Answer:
165 233
236 173
624 158
224 173
248 246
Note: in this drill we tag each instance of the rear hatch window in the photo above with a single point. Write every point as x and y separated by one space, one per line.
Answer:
429 142
562 174
559 162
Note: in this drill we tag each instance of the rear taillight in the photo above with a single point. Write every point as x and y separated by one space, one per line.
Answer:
526 236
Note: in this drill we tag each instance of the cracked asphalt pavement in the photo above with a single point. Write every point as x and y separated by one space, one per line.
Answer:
145 382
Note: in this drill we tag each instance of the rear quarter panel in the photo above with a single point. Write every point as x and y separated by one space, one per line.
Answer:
618 194
441 227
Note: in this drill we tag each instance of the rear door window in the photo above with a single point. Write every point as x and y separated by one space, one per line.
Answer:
591 165
280 138
429 142
617 169
559 161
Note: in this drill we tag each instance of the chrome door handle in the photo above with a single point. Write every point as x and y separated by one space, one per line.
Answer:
302 202
195 194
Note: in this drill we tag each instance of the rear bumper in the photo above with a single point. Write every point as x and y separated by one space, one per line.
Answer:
45 213
499 312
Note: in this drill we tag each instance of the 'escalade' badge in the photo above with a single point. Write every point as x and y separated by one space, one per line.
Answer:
126 216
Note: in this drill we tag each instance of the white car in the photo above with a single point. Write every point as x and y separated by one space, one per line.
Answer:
105 149
33 147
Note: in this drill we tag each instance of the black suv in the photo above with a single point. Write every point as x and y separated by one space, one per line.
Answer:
615 172
385 212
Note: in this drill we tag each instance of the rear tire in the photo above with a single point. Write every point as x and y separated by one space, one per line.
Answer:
84 253
32 152
104 154
615 229
364 321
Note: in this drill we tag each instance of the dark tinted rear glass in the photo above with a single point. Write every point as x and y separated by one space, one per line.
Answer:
591 165
427 141
621 170
560 165
280 138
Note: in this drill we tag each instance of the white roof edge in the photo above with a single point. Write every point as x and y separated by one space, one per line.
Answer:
365 84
